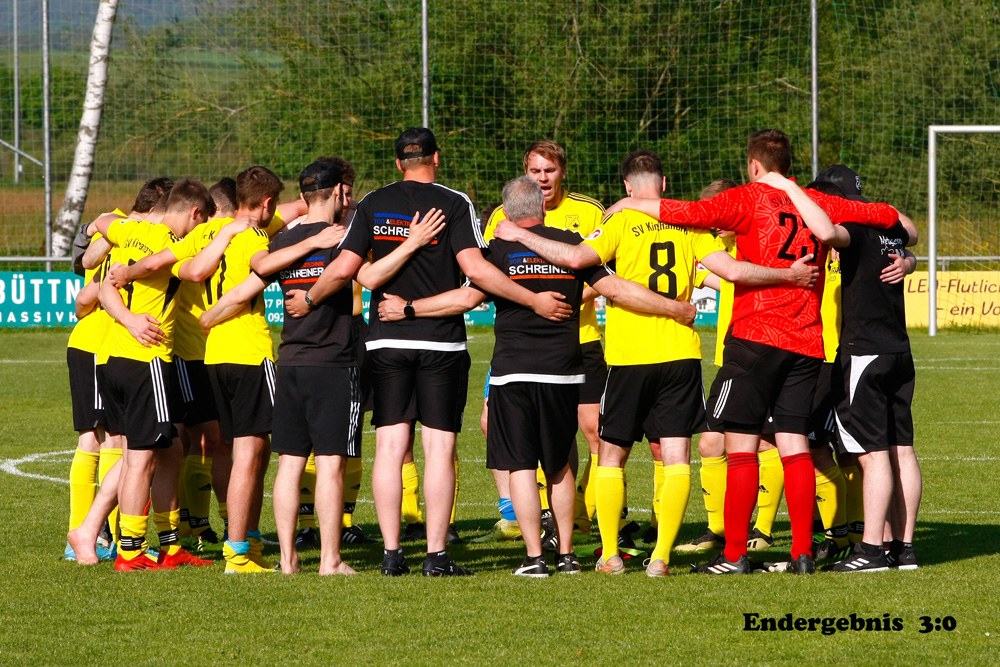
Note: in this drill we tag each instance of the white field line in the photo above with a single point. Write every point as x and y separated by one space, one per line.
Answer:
32 361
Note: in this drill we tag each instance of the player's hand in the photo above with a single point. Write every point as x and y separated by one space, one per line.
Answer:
119 276
776 180
240 224
423 231
895 272
205 321
802 273
617 207
552 306
686 313
145 329
330 237
390 308
295 303
507 231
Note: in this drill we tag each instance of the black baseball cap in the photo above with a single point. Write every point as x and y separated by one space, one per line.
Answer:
416 136
846 179
324 174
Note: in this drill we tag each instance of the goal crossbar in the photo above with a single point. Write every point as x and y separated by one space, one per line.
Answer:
932 260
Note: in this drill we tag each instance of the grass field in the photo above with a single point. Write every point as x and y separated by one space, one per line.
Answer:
54 612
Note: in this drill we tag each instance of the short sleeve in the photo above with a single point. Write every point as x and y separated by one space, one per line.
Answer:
606 238
276 224
119 230
593 274
705 244
496 216
359 235
465 232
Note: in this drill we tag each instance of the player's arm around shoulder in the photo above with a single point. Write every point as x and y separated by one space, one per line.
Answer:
571 256
232 302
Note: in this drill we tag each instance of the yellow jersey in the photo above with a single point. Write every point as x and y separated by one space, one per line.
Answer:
664 258
829 309
244 338
189 340
90 332
725 304
154 294
577 213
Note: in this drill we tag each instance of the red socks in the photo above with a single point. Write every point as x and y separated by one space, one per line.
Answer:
800 496
742 481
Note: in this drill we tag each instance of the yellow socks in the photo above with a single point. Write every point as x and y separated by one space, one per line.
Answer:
352 487
82 485
772 482
713 490
411 494
307 495
133 542
831 499
109 457
674 494
166 527
543 488
454 504
853 481
197 478
657 488
610 490
581 516
590 488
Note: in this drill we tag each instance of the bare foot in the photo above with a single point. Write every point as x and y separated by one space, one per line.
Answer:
339 568
86 550
291 566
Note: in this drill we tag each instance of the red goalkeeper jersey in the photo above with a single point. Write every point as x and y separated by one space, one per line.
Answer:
771 233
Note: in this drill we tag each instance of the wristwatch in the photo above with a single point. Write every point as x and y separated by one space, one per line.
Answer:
309 302
408 310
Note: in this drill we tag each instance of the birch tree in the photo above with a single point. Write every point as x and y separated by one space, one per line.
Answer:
68 219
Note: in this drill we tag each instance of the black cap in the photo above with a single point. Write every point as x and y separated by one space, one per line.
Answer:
324 175
845 178
416 136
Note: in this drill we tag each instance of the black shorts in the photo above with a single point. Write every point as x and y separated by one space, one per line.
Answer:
823 423
244 396
596 370
665 400
531 423
757 380
420 385
197 404
316 409
359 331
88 409
141 396
874 413
713 424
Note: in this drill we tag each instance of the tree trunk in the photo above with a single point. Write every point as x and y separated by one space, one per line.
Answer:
68 219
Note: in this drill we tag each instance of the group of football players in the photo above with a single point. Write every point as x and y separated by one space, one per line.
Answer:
172 363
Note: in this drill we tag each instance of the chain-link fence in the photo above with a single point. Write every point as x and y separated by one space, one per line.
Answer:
207 88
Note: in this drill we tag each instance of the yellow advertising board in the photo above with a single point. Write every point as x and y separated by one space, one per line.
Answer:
964 298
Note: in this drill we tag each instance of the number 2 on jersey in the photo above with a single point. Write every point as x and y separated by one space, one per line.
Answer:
669 256
789 220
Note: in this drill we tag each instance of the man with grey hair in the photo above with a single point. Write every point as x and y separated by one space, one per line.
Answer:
537 369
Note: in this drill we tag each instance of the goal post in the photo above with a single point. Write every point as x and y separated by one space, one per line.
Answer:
932 252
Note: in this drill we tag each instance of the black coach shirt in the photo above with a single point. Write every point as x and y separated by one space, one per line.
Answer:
381 225
874 318
530 348
323 337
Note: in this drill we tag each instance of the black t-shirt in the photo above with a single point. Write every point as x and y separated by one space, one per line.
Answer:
530 348
323 337
874 318
382 224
